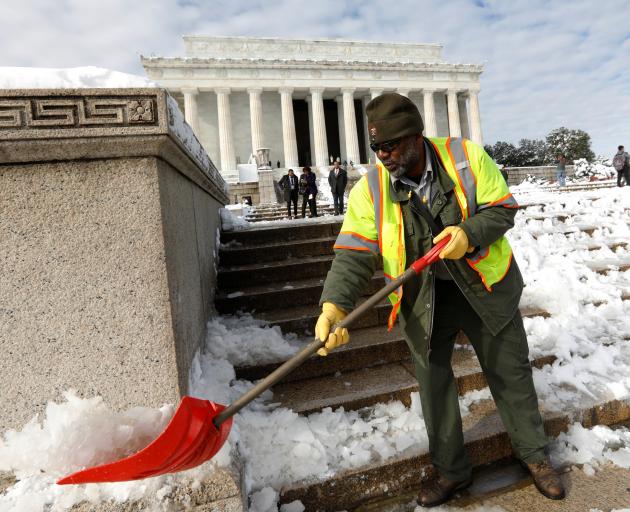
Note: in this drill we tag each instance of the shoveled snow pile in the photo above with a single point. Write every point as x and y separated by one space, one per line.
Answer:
599 170
68 78
593 447
231 222
247 341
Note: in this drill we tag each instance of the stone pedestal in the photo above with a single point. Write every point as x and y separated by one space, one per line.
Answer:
265 187
109 216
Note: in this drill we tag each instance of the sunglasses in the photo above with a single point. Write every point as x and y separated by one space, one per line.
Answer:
387 147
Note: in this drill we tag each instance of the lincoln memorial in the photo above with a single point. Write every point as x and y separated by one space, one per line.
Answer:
305 99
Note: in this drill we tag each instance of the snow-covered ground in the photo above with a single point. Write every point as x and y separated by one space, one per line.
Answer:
587 331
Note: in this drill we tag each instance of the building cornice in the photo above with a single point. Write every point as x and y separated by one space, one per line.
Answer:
204 63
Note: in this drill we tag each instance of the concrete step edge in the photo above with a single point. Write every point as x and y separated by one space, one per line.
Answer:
351 488
468 378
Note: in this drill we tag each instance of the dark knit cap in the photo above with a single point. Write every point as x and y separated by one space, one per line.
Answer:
392 116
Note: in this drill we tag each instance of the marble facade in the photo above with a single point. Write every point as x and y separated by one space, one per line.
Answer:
305 99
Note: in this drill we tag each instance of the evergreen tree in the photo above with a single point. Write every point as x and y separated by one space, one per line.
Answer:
573 144
504 153
532 152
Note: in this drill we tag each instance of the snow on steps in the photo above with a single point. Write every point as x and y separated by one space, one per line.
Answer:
486 442
374 367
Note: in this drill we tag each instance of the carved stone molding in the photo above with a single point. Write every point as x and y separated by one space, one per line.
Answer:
65 124
61 114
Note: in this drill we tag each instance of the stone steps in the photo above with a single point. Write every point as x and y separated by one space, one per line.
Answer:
369 346
282 233
301 320
288 272
276 251
383 383
272 293
505 485
279 212
486 442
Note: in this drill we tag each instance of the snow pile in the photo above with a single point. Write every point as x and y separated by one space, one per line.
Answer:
67 425
324 193
266 500
589 320
599 170
73 435
593 447
534 180
68 78
230 222
247 341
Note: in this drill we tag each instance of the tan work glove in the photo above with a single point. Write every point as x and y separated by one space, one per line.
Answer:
457 246
330 316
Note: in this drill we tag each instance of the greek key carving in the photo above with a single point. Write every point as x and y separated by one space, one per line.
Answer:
60 113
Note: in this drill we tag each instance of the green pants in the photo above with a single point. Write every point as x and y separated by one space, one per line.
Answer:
504 359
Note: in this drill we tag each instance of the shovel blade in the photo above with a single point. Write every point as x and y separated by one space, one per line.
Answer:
190 439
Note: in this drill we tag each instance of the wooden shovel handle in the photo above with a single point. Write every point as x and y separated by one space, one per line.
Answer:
310 349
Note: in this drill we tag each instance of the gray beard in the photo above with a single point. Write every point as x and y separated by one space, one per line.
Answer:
399 172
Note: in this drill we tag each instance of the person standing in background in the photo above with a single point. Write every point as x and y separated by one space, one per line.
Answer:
620 163
308 189
338 179
561 170
289 184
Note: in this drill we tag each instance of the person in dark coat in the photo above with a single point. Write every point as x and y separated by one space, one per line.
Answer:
289 185
337 179
308 189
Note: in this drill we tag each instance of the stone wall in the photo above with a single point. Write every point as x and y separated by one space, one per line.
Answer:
108 221
517 174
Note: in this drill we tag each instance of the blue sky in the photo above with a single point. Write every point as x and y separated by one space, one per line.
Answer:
547 63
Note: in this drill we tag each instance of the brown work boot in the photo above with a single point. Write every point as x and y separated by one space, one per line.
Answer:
546 479
440 490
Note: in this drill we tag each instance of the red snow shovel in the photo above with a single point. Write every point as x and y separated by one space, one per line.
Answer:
199 428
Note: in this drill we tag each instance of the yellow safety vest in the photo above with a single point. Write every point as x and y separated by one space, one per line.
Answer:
374 222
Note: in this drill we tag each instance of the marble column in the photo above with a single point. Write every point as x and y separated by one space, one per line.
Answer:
255 113
475 118
454 128
288 129
376 92
430 122
228 160
311 135
191 113
350 127
366 135
319 128
342 129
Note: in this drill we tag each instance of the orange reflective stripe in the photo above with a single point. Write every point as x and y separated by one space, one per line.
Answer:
353 233
349 240
353 248
507 200
392 316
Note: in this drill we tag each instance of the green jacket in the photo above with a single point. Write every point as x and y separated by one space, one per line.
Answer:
351 270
